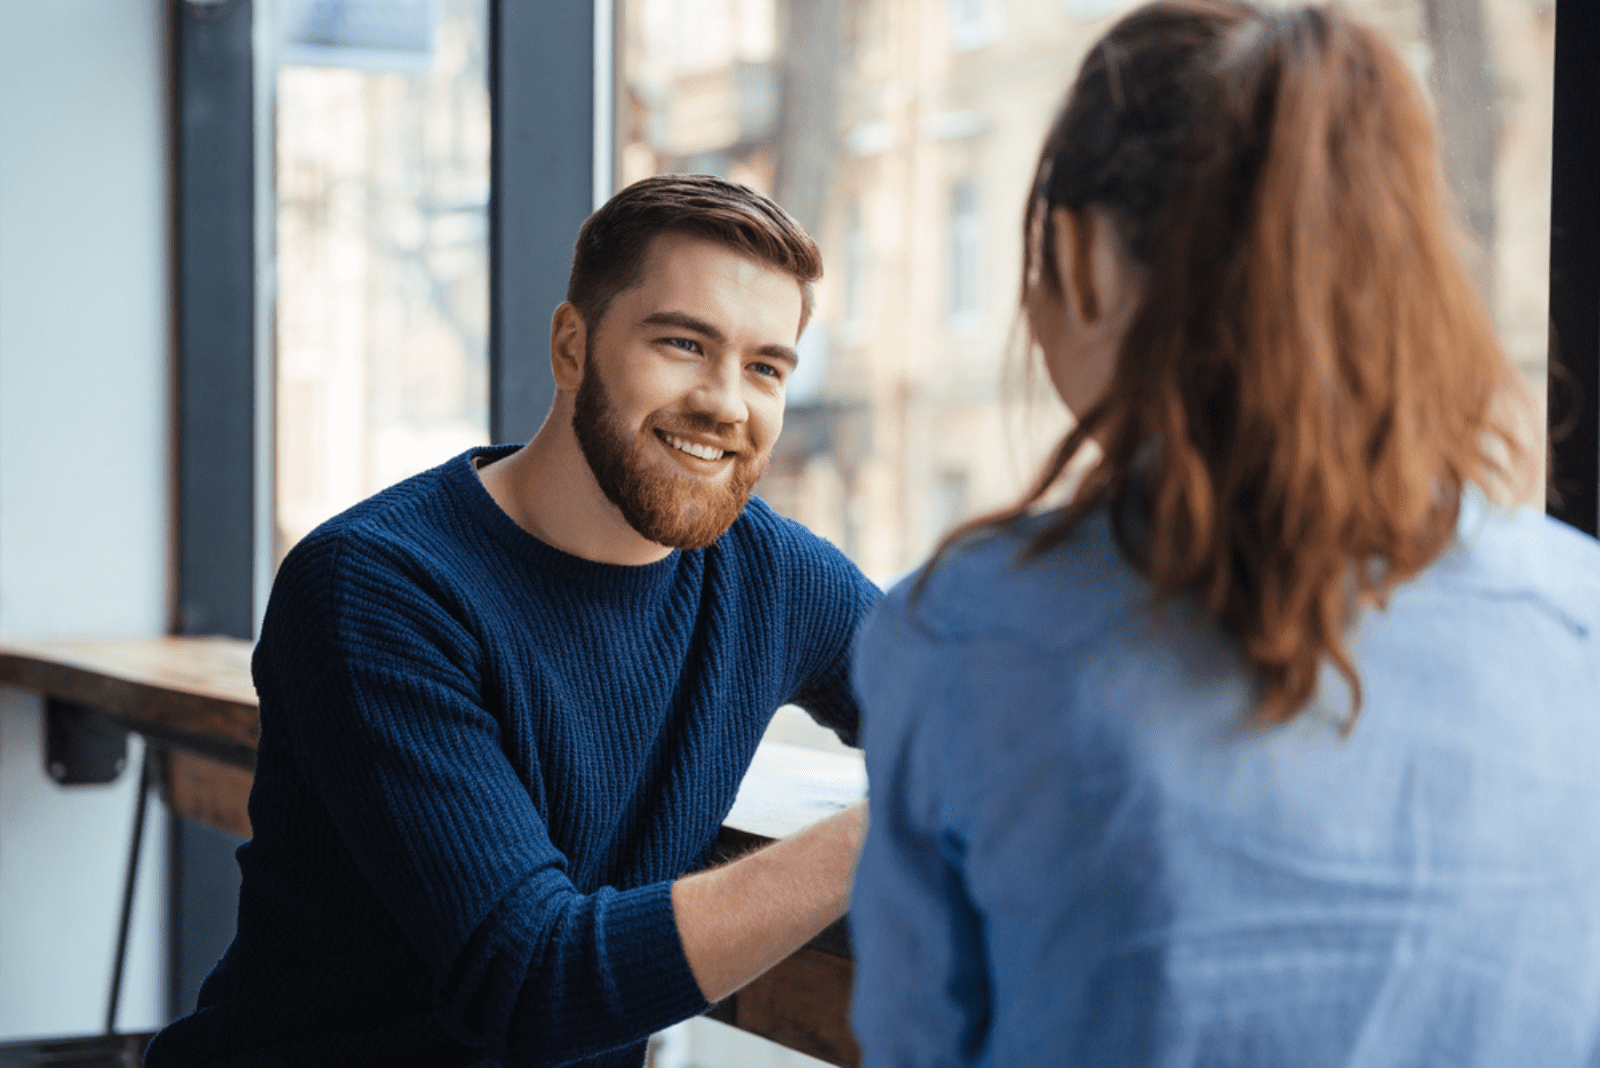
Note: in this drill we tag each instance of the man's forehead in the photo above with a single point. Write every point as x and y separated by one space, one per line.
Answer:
685 272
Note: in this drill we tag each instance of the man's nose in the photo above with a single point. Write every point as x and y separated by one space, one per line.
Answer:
719 395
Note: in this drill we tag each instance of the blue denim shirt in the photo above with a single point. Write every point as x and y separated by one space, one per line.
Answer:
1082 853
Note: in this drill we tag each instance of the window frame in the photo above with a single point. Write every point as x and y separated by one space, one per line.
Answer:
1573 404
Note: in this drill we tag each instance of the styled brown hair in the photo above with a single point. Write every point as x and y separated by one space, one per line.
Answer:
612 242
1310 379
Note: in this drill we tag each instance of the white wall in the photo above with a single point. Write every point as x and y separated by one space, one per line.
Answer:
83 473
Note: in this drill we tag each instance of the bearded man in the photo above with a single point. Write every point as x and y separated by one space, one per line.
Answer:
506 704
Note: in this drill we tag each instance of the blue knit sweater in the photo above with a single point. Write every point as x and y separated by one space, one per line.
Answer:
482 762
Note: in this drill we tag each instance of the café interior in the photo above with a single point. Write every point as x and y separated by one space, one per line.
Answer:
242 238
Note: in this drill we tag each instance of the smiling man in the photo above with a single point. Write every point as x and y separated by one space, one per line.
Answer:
506 704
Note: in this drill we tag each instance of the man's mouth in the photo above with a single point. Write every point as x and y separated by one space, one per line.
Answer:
693 448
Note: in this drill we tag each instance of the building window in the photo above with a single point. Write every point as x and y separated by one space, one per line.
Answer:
857 268
950 504
966 237
974 23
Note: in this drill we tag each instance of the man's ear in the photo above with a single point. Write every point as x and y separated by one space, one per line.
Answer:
568 344
1074 237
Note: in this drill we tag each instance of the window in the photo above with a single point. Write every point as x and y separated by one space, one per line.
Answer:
382 171
1093 9
974 23
965 238
949 502
857 270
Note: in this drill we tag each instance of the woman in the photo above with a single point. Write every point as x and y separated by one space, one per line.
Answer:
1280 744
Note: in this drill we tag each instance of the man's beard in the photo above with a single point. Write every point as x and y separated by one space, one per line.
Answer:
673 511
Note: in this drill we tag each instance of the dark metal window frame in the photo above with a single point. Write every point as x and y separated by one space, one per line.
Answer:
542 100
1574 390
215 395
213 135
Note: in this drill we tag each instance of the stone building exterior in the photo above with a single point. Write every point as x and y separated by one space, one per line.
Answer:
923 412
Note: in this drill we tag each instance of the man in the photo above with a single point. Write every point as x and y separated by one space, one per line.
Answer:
506 704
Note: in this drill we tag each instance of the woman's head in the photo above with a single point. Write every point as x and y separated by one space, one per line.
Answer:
1239 254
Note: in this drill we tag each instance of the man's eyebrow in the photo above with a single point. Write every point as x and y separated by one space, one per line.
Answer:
781 353
685 321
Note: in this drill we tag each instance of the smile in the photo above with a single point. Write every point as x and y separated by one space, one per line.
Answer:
701 452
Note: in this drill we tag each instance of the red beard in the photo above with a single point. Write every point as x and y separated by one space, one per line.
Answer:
669 510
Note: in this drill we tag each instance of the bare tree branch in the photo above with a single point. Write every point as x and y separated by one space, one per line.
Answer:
1466 93
809 66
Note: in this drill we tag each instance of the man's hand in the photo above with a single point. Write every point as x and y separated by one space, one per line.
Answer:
738 920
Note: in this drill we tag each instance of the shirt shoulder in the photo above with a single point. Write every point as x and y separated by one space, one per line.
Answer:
1521 554
987 628
986 587
420 526
761 530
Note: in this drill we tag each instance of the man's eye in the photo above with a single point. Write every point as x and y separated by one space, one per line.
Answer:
767 370
684 343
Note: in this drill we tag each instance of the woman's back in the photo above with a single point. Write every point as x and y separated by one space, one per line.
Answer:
1087 854
1276 745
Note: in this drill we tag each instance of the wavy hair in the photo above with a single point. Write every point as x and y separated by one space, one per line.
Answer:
1311 378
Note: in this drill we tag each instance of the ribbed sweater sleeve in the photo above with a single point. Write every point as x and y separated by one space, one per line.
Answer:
389 729
827 598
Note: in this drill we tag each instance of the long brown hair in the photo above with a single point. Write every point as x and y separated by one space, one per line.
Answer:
1311 378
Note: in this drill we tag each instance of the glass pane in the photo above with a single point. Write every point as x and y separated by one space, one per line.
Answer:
903 133
382 166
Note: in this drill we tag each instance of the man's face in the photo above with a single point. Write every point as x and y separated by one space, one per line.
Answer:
683 388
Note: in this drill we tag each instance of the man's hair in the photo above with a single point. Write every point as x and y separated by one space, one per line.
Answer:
613 242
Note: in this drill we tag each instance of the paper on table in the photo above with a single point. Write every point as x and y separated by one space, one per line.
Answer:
788 788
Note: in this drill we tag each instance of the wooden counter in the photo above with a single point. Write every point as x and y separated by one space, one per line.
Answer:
193 698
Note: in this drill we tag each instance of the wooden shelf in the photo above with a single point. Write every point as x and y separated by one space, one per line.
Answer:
190 690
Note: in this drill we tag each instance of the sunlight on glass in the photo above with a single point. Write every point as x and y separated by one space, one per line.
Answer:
382 162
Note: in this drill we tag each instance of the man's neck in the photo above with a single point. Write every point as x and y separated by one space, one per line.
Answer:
548 489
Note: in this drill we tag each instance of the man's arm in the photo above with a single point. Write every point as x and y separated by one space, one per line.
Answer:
738 920
370 693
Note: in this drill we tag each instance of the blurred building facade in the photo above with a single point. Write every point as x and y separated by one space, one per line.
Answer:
904 134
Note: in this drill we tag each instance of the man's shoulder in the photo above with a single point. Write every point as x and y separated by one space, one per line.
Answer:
387 573
761 530
405 518
769 544
412 534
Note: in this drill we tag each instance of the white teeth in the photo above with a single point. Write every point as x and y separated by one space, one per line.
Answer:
704 452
